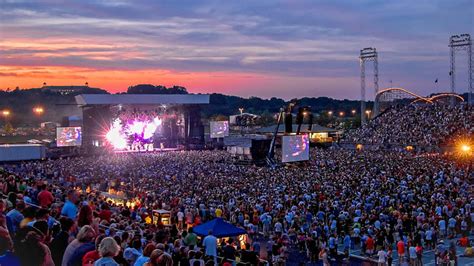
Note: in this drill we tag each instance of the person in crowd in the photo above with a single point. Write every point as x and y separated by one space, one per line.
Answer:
108 249
229 250
62 239
7 257
134 251
94 255
16 216
45 197
31 245
85 216
70 209
210 245
323 256
83 243
248 256
145 257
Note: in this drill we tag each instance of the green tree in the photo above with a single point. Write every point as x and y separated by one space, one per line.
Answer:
8 128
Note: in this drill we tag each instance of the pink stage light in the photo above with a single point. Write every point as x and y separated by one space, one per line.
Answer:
150 128
136 127
118 134
115 137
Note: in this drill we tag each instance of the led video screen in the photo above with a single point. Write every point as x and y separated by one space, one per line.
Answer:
68 136
295 148
219 129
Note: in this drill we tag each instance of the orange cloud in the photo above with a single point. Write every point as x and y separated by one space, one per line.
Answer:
240 83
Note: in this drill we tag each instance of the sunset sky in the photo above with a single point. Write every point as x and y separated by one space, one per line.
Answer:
248 48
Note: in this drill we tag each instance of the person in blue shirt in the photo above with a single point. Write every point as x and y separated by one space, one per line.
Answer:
347 242
332 244
6 255
442 228
210 246
429 237
70 209
108 249
452 227
16 216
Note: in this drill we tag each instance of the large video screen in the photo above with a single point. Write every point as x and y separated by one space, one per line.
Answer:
68 136
295 148
219 129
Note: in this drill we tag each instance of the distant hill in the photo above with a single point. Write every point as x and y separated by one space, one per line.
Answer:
58 101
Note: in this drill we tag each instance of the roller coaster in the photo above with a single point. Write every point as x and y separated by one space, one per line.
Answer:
392 96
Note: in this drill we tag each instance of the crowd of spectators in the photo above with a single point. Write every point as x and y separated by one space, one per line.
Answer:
421 125
374 201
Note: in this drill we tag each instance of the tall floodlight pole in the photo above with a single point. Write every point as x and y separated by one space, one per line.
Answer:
368 54
362 91
460 43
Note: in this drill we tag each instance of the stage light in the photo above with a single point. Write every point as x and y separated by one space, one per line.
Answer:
330 113
353 112
38 110
6 113
465 148
341 113
115 137
117 140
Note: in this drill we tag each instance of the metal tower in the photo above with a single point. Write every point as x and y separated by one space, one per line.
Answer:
367 54
460 43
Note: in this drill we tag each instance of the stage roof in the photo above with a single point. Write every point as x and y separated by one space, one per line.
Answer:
110 99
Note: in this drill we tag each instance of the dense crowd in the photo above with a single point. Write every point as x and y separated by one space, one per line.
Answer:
421 125
379 202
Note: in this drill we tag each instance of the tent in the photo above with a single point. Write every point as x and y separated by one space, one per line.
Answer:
220 228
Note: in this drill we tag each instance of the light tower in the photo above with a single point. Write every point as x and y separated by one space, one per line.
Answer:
459 43
367 54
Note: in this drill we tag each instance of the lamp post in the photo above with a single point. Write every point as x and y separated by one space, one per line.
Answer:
367 112
38 110
6 113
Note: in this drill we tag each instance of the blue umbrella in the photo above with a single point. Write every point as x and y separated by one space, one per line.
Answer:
220 228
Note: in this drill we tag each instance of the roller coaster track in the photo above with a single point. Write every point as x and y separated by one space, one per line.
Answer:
443 95
392 94
418 97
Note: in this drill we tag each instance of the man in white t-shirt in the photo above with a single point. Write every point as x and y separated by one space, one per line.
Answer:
210 245
180 219
278 228
382 257
412 254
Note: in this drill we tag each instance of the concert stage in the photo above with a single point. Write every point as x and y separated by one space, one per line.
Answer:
139 122
149 151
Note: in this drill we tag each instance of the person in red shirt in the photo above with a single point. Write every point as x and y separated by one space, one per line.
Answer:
401 249
105 213
91 256
370 245
45 198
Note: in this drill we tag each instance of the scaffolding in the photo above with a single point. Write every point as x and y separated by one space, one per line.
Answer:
459 43
367 55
